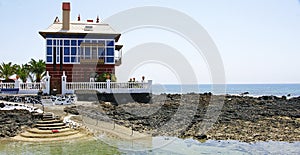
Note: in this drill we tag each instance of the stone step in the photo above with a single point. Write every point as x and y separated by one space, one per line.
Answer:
48 114
51 135
53 127
50 124
38 131
75 136
37 114
49 121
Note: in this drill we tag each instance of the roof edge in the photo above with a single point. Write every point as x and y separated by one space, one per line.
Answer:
44 33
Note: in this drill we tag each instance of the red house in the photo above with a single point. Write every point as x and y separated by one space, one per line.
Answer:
80 48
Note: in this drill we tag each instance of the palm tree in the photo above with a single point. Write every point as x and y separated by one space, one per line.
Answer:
7 70
23 72
37 68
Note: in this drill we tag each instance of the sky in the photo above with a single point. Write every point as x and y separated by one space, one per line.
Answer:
258 41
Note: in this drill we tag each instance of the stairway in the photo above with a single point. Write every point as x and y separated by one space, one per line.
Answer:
50 128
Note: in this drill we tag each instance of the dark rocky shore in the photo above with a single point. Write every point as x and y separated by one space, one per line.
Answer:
12 121
207 116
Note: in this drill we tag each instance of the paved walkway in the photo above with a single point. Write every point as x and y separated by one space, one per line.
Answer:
109 128
114 130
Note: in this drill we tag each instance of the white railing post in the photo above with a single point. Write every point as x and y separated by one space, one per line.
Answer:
150 86
63 83
17 83
47 83
108 84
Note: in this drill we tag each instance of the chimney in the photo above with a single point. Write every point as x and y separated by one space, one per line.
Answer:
66 15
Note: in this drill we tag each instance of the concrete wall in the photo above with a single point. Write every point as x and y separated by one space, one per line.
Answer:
116 98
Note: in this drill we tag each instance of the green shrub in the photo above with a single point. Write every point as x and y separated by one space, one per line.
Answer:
102 77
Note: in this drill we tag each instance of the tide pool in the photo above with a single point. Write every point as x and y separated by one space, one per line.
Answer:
160 145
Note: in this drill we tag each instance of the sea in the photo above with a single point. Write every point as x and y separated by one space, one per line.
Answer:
292 90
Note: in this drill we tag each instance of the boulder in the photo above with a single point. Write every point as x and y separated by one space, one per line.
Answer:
200 137
2 105
71 110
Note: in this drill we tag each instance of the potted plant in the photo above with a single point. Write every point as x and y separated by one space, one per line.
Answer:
107 76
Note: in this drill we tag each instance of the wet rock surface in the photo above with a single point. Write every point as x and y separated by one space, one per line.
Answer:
12 121
34 99
207 116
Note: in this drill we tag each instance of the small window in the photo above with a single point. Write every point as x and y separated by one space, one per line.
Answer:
73 59
73 50
110 43
100 51
78 51
110 52
49 58
87 51
101 42
66 59
73 42
49 42
67 42
109 59
79 42
49 50
66 50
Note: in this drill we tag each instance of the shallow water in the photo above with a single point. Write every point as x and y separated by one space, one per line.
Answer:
159 145
74 147
190 146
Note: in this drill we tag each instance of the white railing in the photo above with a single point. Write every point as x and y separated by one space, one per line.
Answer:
110 87
129 85
22 88
70 87
7 85
30 86
85 85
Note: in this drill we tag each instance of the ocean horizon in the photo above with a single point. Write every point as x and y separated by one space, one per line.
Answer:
291 90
